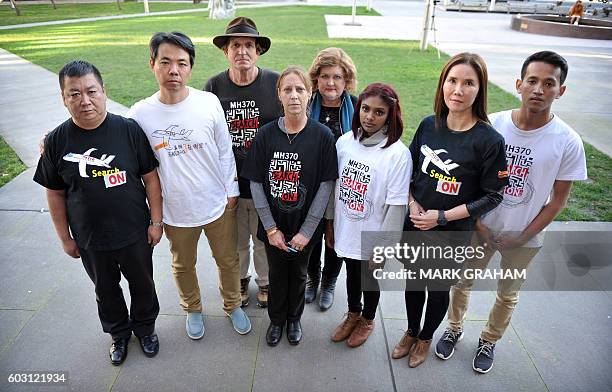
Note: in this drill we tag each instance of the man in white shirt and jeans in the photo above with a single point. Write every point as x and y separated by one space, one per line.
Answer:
188 133
544 156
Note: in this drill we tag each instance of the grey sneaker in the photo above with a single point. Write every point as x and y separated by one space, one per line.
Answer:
483 361
240 321
194 325
445 348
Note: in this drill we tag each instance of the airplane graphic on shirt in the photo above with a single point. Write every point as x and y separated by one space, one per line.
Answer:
86 159
171 133
432 156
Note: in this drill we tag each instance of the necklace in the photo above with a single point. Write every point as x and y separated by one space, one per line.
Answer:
293 138
326 119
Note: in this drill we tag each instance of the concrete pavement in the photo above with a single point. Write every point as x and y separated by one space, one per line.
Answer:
557 341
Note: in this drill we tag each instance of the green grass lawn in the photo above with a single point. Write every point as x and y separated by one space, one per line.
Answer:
10 164
119 49
31 13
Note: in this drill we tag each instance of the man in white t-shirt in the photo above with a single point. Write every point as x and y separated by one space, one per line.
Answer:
545 155
188 133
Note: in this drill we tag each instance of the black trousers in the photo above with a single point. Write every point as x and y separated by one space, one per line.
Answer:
104 268
437 305
438 289
287 275
332 263
360 280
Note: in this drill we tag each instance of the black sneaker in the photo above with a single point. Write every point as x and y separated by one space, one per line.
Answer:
445 348
483 361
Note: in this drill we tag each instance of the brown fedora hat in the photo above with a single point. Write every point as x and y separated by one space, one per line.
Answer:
242 27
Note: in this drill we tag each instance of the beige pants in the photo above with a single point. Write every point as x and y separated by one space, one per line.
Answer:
247 220
221 235
507 293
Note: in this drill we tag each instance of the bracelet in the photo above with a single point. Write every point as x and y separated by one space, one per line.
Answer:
156 224
413 201
272 231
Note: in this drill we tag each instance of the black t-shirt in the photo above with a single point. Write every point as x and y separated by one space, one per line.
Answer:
452 168
100 170
247 108
330 117
291 172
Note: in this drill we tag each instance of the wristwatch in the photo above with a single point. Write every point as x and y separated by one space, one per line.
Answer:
441 219
156 224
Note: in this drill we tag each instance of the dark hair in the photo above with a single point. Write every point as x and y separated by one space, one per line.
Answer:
174 38
395 125
479 107
547 57
78 68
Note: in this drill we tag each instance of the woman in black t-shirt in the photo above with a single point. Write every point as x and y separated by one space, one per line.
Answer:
292 166
332 74
459 173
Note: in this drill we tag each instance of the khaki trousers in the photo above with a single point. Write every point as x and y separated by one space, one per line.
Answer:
247 220
507 293
221 235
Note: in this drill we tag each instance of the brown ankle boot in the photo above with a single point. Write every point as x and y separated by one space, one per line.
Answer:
419 352
403 347
346 327
361 332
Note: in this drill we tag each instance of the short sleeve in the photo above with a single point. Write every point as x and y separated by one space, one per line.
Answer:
494 166
414 149
47 172
399 178
254 167
573 165
146 158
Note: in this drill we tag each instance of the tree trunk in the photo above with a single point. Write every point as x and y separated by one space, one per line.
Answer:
14 6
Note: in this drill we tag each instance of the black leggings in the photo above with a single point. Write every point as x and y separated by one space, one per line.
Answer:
437 305
359 277
332 265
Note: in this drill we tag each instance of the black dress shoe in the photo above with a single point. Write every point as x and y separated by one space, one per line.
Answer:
294 332
149 345
274 334
118 350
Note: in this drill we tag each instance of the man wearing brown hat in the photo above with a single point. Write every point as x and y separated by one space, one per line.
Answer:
248 97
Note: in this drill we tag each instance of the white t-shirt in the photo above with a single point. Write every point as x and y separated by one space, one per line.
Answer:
535 160
368 178
191 141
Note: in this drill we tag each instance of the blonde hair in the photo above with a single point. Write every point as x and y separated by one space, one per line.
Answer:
332 57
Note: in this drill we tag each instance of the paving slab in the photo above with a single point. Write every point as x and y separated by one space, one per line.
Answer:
221 361
569 341
319 364
456 374
65 335
31 270
12 321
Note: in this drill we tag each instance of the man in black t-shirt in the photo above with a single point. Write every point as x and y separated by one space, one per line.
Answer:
94 166
248 97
